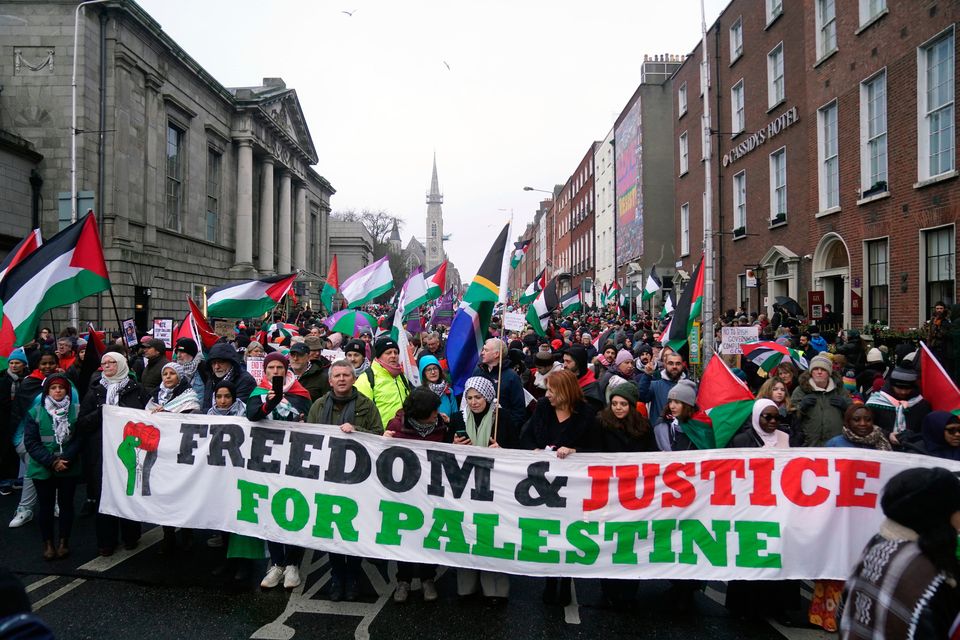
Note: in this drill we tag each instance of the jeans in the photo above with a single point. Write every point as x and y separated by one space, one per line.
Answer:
28 499
344 569
59 489
284 554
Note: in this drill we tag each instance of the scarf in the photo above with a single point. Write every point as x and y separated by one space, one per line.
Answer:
14 383
190 368
237 409
363 367
480 426
438 388
59 411
831 385
776 439
349 407
884 400
393 371
423 429
875 440
117 383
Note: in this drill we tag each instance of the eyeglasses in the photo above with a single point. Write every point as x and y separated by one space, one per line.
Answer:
769 416
954 431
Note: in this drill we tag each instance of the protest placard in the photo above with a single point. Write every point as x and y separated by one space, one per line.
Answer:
732 337
513 321
163 330
728 514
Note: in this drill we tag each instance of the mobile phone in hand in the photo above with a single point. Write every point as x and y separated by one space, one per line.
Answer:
278 385
462 433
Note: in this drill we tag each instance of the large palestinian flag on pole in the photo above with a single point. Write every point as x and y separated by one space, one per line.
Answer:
534 288
519 250
725 403
249 298
653 285
540 312
436 280
330 287
469 328
24 248
68 268
571 302
687 311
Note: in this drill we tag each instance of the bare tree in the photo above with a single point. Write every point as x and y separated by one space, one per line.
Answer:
379 223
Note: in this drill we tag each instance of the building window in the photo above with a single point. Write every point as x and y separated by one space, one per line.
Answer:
736 108
939 260
684 156
935 100
826 17
870 9
743 293
736 40
775 88
829 164
873 134
175 137
682 99
740 202
213 195
685 228
778 185
774 9
878 262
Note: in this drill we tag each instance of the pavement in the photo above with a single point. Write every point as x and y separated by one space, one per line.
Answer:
144 593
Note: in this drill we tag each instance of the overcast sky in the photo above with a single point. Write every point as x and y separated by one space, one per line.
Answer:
530 84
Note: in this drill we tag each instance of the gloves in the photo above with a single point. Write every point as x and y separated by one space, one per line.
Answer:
839 403
808 401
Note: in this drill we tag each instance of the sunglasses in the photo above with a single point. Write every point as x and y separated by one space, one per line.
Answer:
952 431
769 416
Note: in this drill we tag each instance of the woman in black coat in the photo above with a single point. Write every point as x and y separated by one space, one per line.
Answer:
116 388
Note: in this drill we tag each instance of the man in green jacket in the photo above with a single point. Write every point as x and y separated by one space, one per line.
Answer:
343 405
384 382
820 402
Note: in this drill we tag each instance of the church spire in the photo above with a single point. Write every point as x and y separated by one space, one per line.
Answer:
434 197
434 221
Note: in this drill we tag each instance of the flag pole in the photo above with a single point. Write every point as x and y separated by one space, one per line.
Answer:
116 312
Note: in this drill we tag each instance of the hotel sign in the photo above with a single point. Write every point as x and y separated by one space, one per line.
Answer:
774 127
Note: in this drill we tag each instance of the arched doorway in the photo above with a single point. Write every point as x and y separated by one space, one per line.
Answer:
831 274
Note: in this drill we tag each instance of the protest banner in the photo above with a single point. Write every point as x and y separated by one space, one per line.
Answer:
130 332
163 330
727 514
513 321
732 337
255 368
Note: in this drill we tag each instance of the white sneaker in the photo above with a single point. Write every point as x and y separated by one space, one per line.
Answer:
22 517
291 577
273 577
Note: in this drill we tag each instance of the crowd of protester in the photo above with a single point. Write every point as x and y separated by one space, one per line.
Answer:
595 383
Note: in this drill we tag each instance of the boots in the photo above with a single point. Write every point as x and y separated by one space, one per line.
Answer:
64 549
48 552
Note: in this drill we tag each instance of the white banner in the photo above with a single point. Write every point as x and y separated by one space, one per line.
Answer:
513 321
731 338
729 514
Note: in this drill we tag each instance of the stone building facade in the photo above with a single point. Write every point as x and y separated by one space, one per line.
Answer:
194 183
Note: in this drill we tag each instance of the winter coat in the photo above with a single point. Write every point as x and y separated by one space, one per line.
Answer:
366 418
543 430
315 378
243 381
885 416
655 391
90 419
510 393
387 392
821 420
26 397
398 425
151 378
604 438
41 444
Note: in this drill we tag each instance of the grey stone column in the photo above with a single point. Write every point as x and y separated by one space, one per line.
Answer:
266 217
283 224
243 241
300 230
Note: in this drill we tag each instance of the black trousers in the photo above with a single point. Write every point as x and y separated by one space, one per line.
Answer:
407 571
343 568
55 489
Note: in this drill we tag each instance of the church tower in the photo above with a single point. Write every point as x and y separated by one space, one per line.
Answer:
435 253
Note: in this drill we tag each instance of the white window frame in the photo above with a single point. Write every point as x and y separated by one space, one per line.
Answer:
873 145
736 40
924 302
826 28
773 99
684 153
774 10
738 120
947 108
740 200
778 170
685 229
869 281
682 99
823 160
868 14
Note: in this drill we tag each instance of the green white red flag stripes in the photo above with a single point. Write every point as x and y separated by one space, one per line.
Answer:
330 287
725 403
652 286
519 250
64 270
436 280
540 312
936 386
25 247
571 302
196 327
249 298
687 311
534 288
370 282
413 294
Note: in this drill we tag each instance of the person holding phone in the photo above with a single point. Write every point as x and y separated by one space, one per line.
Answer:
279 396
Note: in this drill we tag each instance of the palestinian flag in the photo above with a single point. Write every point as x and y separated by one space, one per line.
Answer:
519 250
613 293
24 248
540 312
571 303
725 404
196 327
767 354
413 294
936 385
436 280
370 282
534 288
265 387
330 287
668 305
603 296
652 286
249 298
64 270
687 311
472 321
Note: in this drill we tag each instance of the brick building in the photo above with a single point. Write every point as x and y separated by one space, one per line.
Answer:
581 223
834 156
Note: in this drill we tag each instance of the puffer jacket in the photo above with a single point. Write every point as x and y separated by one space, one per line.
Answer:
387 392
822 419
448 403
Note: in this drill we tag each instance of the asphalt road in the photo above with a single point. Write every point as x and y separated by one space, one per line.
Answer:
145 594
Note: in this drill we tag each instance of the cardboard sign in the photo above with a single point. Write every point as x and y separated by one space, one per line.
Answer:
513 321
731 338
255 368
130 332
163 330
224 329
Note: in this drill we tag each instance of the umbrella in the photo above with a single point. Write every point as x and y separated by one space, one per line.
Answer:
351 322
767 355
278 332
790 305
